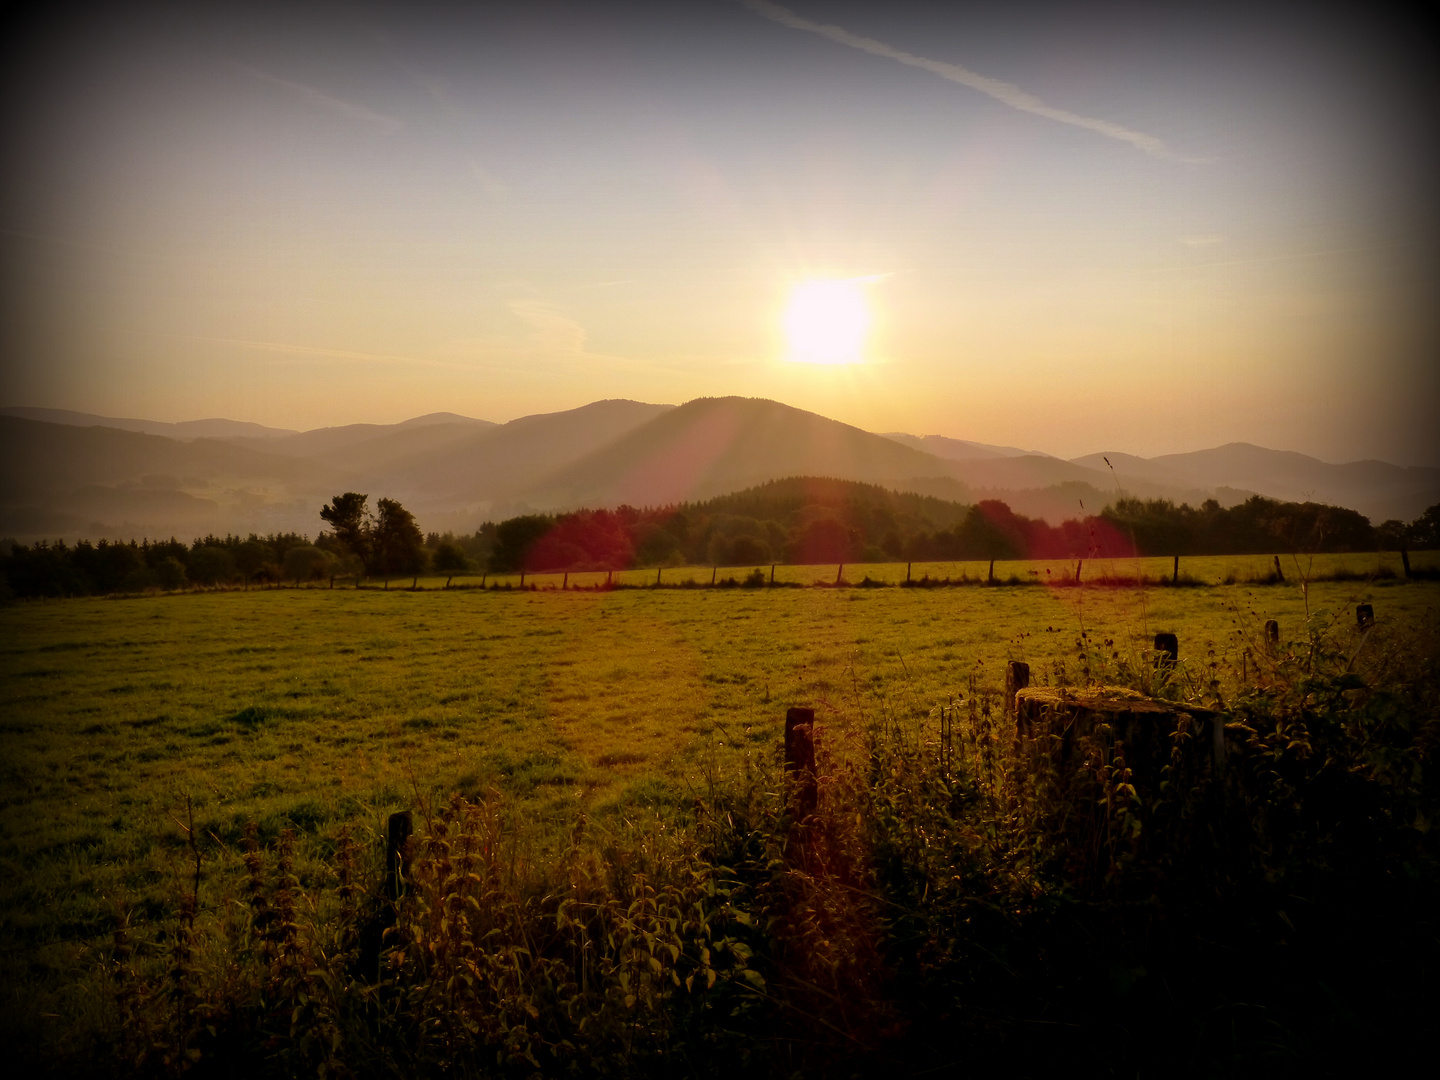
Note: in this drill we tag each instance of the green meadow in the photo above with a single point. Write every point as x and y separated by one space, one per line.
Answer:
317 708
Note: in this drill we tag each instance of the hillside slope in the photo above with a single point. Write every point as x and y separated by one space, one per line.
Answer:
711 446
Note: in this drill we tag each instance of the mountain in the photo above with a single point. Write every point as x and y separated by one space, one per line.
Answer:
711 446
1378 490
444 418
506 463
75 478
957 449
68 480
186 429
60 479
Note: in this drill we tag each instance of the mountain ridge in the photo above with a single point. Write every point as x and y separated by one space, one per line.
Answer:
454 471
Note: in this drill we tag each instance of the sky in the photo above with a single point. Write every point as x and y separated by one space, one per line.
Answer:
1072 227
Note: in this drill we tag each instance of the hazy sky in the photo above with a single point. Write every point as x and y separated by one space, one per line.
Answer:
1078 227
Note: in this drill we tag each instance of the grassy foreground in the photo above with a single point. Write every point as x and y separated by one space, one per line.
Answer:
654 715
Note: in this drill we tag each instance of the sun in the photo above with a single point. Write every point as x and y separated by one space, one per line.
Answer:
826 322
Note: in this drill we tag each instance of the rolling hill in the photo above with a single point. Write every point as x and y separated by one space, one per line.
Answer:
214 428
71 477
714 445
1378 490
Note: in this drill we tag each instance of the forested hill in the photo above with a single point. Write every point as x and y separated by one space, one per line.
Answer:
814 520
784 500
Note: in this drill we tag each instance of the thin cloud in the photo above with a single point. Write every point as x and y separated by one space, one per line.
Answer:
388 125
1004 92
1202 241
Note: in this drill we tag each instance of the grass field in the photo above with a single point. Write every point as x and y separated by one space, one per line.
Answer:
322 708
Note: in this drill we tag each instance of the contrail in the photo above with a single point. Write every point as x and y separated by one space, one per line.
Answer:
387 124
1001 91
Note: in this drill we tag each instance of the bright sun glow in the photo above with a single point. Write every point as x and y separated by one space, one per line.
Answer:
826 322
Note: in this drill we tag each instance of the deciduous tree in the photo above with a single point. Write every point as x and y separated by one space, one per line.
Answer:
348 517
396 543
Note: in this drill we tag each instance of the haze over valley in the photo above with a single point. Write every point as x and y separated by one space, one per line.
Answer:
73 475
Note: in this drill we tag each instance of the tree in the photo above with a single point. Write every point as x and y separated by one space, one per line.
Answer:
1425 530
348 517
513 540
251 556
396 543
212 565
170 573
306 563
824 540
449 559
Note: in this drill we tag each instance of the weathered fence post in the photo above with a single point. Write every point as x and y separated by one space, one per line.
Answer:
522 579
1278 572
772 573
565 581
1405 560
907 573
800 760
398 829
607 577
1364 616
1175 574
839 573
1017 678
990 578
1168 646
1079 564
713 571
1272 635
658 570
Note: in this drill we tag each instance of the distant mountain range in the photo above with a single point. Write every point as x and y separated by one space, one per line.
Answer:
74 474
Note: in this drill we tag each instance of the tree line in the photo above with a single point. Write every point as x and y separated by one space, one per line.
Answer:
818 521
801 520
387 544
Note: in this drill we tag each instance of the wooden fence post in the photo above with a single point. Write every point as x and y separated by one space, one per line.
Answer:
1272 635
907 573
1364 616
713 571
565 582
607 577
800 759
398 830
1175 574
522 579
1278 572
1168 646
658 570
839 573
990 578
1079 565
772 573
1017 678
1405 560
